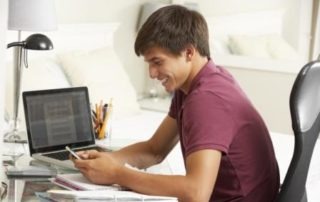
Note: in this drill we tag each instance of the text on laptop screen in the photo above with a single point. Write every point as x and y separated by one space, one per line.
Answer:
58 118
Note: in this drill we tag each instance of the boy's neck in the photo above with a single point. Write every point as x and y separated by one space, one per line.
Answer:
197 64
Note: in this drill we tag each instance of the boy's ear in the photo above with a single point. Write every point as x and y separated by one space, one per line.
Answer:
190 51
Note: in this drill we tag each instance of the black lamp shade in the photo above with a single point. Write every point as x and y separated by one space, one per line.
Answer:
38 42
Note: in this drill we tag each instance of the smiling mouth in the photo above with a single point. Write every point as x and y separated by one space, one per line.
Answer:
163 81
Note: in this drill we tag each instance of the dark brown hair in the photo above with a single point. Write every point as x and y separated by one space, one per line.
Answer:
173 28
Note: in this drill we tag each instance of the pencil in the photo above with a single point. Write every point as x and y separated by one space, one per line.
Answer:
97 114
105 121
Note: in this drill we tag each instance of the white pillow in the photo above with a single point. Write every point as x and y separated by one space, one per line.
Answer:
249 45
262 46
251 22
102 72
42 73
219 44
280 49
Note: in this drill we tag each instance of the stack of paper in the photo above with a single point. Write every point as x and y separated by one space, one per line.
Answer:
80 189
108 195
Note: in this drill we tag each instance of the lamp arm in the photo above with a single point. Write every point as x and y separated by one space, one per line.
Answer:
18 43
18 70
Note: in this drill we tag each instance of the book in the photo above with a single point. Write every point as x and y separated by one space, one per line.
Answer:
76 181
30 171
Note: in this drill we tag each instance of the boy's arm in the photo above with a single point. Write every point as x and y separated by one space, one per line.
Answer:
197 185
153 151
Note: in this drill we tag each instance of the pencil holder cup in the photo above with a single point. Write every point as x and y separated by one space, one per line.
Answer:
102 120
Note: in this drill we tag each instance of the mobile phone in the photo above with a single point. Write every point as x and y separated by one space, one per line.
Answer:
72 153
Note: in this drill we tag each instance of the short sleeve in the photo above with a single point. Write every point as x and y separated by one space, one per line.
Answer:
207 123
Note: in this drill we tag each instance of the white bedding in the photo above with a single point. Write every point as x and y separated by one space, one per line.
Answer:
253 40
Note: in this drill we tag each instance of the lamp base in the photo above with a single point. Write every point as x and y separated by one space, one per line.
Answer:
15 136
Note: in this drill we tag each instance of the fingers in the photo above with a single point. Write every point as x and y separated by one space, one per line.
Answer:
88 154
87 160
81 164
85 156
83 171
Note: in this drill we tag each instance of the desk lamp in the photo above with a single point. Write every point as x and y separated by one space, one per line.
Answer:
27 15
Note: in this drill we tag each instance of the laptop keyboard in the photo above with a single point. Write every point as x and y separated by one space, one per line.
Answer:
64 155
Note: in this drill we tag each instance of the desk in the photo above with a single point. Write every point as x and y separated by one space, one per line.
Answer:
283 145
23 189
156 104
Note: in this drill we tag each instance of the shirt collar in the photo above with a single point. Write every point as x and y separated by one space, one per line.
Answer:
209 65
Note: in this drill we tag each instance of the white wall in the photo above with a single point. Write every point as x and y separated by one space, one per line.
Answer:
298 33
316 52
224 7
3 28
269 92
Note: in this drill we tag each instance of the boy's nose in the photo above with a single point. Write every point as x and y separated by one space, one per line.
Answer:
153 73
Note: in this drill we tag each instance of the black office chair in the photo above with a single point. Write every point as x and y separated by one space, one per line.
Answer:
305 116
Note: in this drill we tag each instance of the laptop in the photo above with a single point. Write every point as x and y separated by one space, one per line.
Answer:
57 118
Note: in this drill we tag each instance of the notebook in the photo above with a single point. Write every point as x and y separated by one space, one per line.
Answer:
76 181
57 118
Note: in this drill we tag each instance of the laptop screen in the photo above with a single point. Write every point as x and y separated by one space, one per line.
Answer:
58 117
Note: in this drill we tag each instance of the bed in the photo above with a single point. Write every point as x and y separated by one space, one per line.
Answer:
256 40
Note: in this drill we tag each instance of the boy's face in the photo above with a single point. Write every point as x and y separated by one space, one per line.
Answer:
172 71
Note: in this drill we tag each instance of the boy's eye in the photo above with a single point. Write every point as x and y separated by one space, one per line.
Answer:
157 62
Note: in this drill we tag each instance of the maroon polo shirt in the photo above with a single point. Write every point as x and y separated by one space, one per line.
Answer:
216 114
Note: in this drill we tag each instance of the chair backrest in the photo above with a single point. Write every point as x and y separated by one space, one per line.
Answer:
305 116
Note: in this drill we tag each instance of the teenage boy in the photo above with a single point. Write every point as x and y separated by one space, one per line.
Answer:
227 150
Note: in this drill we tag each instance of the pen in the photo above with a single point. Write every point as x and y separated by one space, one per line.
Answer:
104 112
